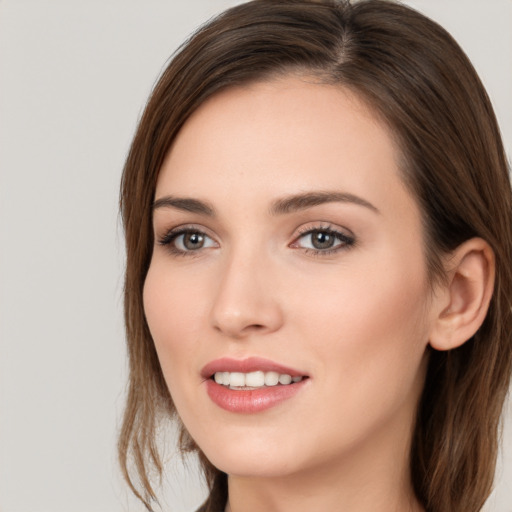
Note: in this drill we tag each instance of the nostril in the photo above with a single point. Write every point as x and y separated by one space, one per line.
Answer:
238 318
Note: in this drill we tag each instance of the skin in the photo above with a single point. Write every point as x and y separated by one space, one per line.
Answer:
357 321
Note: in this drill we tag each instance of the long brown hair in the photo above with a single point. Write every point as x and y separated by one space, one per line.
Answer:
417 79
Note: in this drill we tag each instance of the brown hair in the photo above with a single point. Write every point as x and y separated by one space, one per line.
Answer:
416 78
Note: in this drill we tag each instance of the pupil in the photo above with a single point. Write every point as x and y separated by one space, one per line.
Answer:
322 240
193 241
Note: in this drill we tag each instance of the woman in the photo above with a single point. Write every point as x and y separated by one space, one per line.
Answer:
318 213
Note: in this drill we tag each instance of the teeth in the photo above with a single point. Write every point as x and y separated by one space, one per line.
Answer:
237 379
256 379
285 379
271 378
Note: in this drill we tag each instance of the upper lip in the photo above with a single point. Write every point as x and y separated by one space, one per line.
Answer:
250 364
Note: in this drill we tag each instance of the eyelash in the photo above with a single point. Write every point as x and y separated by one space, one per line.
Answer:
168 240
347 241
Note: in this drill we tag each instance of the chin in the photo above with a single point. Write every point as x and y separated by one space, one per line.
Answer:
252 468
252 457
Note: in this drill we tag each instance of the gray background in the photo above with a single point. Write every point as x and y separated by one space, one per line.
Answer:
74 77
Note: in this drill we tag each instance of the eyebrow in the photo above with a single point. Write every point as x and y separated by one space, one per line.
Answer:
185 204
309 199
281 206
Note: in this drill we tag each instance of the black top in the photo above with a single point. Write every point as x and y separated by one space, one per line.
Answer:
218 498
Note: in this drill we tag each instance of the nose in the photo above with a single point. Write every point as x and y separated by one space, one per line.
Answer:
246 302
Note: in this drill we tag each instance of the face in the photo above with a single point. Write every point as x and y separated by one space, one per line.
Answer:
287 248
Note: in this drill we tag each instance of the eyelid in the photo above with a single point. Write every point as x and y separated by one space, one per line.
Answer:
344 235
166 240
323 226
183 228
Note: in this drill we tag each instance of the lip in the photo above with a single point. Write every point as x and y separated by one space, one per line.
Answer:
251 364
247 401
253 400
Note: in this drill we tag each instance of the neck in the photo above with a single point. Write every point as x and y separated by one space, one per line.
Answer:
366 478
329 492
291 497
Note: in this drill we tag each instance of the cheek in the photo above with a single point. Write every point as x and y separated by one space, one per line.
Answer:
363 297
174 315
367 340
369 329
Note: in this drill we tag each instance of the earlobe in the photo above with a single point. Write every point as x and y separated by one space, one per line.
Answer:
463 303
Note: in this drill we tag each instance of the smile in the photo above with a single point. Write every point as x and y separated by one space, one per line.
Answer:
254 380
251 385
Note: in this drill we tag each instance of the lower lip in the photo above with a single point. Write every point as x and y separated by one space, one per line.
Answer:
251 401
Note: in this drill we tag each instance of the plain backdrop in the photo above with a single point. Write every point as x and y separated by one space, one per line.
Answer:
74 77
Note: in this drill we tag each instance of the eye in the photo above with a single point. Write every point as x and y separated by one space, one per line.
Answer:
191 241
187 240
323 240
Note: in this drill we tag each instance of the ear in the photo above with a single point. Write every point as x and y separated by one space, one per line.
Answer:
463 300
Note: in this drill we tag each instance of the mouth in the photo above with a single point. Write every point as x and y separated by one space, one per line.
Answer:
251 385
255 380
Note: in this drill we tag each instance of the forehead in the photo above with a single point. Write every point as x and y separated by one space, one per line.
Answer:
287 135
